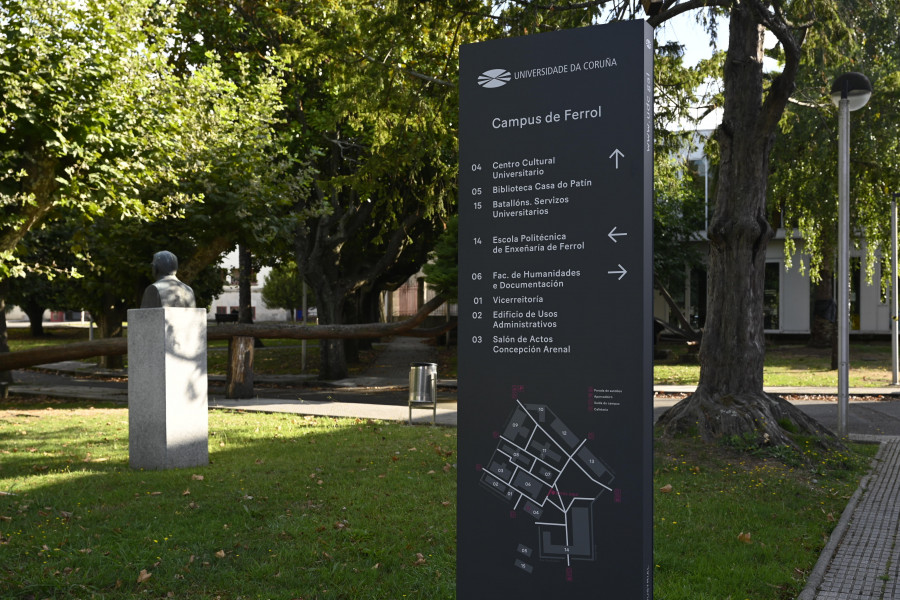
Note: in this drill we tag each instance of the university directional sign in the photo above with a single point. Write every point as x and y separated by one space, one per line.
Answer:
555 267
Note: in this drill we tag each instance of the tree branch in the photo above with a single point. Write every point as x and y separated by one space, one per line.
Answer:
406 71
683 7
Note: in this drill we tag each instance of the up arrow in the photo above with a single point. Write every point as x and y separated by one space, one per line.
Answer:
621 272
613 235
617 154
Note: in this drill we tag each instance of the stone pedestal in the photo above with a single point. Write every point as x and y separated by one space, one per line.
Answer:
168 425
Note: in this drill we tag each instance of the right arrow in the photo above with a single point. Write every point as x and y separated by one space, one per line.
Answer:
613 235
621 272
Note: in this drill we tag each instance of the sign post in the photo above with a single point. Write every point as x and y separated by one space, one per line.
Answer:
555 312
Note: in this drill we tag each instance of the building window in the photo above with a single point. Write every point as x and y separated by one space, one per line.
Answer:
772 296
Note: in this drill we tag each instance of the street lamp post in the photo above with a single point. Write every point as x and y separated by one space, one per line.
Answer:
895 302
850 91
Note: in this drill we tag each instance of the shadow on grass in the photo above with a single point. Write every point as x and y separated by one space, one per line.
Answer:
289 506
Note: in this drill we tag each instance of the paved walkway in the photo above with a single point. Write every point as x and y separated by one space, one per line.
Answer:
861 561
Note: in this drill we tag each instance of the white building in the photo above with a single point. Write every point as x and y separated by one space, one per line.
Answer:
788 302
227 301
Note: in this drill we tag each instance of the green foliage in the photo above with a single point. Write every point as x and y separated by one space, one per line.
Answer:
284 287
83 109
442 271
100 128
678 216
804 162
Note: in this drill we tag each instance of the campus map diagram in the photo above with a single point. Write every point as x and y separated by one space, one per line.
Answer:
542 468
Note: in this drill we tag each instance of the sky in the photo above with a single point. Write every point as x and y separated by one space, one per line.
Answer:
685 30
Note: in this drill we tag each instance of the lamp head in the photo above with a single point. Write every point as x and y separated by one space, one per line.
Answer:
853 86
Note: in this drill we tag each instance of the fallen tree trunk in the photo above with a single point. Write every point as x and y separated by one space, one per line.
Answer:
119 346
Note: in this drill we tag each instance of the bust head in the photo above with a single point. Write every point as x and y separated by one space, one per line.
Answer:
164 263
167 291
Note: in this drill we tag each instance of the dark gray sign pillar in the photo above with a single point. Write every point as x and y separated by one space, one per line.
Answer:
555 336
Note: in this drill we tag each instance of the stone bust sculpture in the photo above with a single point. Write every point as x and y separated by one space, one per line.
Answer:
168 290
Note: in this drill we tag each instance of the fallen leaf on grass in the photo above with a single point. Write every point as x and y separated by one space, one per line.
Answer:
186 492
445 503
666 489
220 554
420 559
197 477
830 517
745 537
85 550
143 576
156 493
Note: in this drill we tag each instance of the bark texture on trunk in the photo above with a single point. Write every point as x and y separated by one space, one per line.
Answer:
6 376
239 379
730 399
35 319
109 325
245 276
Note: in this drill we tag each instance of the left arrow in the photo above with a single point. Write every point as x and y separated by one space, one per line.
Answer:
613 235
621 272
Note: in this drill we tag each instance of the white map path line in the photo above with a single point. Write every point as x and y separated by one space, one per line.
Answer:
569 460
563 450
518 452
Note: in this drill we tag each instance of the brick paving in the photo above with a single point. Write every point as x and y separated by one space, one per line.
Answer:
866 562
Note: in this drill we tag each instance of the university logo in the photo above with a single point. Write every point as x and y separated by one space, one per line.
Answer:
494 78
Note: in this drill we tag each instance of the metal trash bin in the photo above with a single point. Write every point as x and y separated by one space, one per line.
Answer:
423 388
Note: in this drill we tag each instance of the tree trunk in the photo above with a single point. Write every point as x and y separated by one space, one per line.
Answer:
245 277
730 400
109 325
239 379
6 376
35 318
332 353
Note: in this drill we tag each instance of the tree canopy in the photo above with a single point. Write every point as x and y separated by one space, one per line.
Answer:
804 172
85 106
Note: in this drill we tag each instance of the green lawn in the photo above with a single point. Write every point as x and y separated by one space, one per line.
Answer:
789 364
317 508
